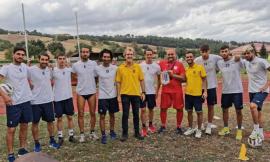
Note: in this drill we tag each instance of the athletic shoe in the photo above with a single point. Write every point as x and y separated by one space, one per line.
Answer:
224 131
152 129
254 134
22 151
104 139
37 147
72 139
93 136
11 157
82 138
239 134
202 127
144 132
198 133
124 138
138 136
60 141
53 144
179 131
161 129
208 130
189 131
113 135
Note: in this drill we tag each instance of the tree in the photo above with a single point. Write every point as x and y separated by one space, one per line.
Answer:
263 52
161 52
83 45
4 44
254 48
35 47
180 52
56 47
8 54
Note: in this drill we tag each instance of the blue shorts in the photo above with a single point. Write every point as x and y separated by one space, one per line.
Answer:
233 98
110 105
44 111
211 96
150 101
193 101
21 113
258 99
63 107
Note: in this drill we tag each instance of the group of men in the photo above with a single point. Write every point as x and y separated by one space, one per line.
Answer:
44 92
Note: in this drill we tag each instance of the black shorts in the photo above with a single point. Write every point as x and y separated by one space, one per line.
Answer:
44 111
211 96
21 113
110 105
258 99
63 107
150 101
193 101
86 97
233 98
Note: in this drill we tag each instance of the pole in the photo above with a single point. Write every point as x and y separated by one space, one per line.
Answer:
77 28
25 33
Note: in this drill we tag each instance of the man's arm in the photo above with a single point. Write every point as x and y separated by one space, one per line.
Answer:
143 89
180 77
118 88
6 98
204 87
158 85
266 84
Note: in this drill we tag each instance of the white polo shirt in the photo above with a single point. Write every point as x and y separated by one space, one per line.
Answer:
210 66
62 87
41 80
17 76
106 79
86 77
150 72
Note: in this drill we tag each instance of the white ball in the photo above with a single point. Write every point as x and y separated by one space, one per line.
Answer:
7 88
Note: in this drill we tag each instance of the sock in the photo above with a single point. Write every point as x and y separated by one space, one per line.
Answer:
163 118
103 133
143 125
92 131
256 127
261 131
36 141
71 132
150 123
60 134
82 133
111 131
210 124
51 138
179 118
240 127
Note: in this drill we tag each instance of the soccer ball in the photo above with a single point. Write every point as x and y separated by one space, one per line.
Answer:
257 142
7 88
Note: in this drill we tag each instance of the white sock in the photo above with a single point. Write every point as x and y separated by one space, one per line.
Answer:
209 125
71 132
261 131
60 134
256 127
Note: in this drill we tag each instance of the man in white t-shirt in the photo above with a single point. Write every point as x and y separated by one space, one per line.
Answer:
63 102
151 71
258 88
40 77
209 61
232 90
18 107
86 91
107 97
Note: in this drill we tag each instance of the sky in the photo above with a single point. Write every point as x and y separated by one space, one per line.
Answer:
227 20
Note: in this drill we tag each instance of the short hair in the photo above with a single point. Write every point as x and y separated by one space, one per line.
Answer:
17 48
224 47
187 52
149 49
60 54
106 51
44 54
129 49
84 48
204 47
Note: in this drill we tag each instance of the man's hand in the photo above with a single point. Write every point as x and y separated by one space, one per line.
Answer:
204 95
143 96
7 100
263 88
170 72
119 98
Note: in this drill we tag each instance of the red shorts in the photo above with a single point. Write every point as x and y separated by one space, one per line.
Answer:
171 99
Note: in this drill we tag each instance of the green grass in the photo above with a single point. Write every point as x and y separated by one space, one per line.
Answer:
167 147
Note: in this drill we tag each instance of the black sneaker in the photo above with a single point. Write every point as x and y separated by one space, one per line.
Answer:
179 131
139 136
60 141
11 157
22 151
161 129
124 138
72 139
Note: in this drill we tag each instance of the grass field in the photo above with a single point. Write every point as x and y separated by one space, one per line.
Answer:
166 147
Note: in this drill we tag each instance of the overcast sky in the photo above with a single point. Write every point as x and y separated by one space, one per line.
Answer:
239 20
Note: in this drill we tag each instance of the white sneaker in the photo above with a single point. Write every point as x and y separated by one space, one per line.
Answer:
82 138
93 136
254 134
198 133
262 136
202 127
208 130
189 131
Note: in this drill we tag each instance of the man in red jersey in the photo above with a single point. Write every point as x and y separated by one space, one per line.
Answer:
173 74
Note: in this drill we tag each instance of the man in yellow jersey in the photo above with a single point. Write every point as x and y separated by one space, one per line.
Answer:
130 88
195 82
